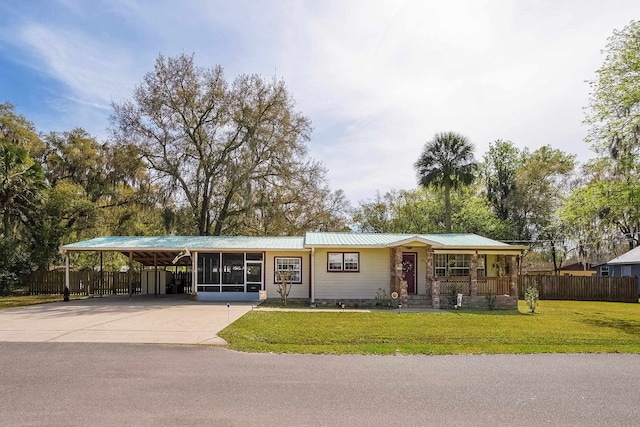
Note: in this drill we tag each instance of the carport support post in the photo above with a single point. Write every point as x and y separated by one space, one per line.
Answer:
155 274
66 270
312 276
129 273
194 273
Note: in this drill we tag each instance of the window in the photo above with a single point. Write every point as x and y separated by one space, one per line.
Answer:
230 272
343 261
457 265
209 269
626 270
291 266
254 256
440 264
482 262
604 270
233 269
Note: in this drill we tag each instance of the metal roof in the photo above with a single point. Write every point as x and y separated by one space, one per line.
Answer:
631 257
178 243
161 250
387 239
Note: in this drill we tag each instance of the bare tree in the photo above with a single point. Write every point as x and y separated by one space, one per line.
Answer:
221 149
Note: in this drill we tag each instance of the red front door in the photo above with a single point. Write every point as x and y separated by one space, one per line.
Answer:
409 271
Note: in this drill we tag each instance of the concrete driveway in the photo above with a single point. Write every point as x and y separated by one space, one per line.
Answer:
120 319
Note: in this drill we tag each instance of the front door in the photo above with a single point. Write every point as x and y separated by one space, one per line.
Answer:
409 271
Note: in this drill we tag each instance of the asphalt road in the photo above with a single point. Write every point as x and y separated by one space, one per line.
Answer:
143 384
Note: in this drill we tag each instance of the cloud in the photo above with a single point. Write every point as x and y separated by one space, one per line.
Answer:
92 70
377 78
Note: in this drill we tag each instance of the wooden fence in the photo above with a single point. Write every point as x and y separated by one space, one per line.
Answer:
592 288
99 283
84 282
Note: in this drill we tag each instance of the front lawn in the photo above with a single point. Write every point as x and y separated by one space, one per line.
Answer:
557 327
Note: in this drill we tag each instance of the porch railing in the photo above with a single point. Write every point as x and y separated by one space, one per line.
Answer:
462 284
455 284
494 285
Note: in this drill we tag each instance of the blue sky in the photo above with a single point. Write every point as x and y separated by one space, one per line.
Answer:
377 78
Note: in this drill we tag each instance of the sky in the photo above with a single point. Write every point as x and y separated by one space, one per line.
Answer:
378 79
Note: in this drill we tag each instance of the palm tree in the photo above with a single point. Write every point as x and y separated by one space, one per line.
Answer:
446 163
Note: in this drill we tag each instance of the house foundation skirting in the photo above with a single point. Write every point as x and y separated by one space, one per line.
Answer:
481 302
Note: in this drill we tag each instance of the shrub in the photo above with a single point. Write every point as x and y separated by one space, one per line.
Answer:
491 301
531 297
381 298
15 265
284 284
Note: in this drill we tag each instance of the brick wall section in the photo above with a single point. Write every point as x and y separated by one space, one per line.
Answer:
396 269
404 295
513 276
429 271
435 293
483 302
473 272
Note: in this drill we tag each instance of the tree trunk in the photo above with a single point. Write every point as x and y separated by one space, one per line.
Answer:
447 207
6 223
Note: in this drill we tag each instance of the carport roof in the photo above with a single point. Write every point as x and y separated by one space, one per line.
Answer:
162 250
178 243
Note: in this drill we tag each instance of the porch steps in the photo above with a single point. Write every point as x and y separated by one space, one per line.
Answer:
419 301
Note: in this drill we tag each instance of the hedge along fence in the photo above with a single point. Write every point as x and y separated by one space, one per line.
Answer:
591 288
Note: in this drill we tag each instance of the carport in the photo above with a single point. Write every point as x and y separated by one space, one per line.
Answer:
150 252
219 268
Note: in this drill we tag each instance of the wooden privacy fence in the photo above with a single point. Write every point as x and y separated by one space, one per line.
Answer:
84 282
592 288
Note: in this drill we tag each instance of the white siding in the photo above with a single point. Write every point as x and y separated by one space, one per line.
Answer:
297 290
374 273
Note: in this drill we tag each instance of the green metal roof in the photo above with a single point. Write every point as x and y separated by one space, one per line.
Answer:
177 243
388 239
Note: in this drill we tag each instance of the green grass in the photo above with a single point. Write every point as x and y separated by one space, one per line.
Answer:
19 301
557 327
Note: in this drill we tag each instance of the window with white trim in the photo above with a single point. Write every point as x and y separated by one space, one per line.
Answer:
457 265
292 266
440 264
343 262
625 270
604 270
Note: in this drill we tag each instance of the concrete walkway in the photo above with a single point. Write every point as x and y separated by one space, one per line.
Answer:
174 319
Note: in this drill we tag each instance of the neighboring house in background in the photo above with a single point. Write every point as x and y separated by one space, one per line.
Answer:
627 264
578 269
333 268
573 269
